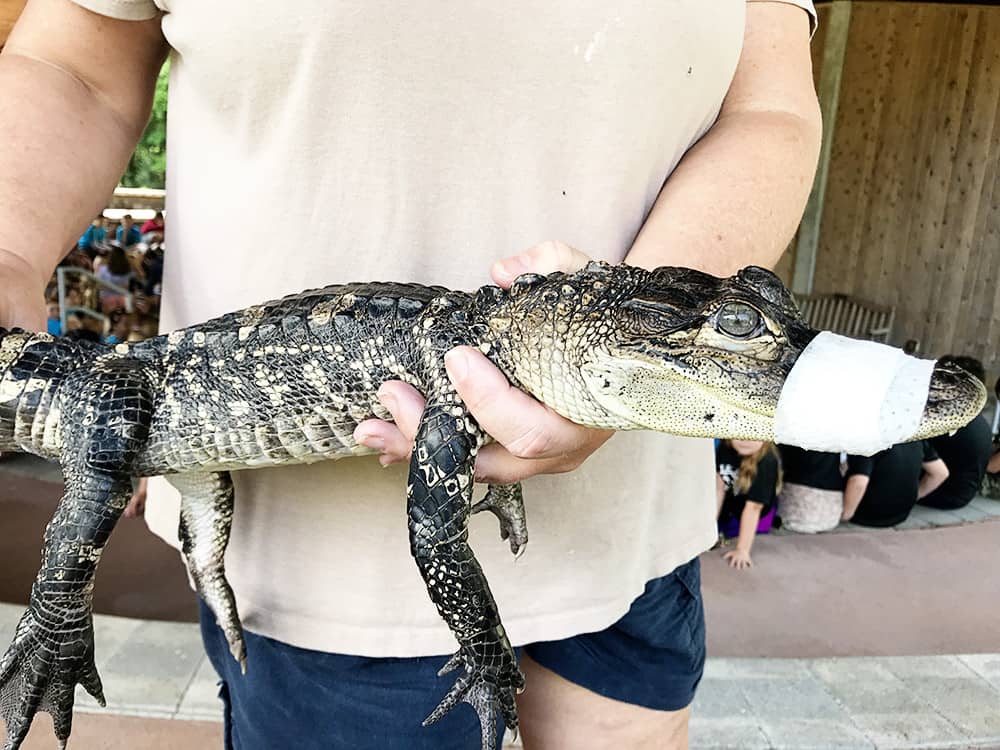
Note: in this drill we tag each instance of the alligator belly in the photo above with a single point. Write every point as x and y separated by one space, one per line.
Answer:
283 439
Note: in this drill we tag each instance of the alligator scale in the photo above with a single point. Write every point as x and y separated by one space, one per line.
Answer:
287 382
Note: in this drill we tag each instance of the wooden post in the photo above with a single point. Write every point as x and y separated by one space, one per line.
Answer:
838 24
9 12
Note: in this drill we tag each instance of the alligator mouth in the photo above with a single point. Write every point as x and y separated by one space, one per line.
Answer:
954 399
672 395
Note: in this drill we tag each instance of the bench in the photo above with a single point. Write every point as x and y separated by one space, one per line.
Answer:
847 316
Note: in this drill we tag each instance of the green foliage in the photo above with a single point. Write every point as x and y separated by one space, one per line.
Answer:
148 165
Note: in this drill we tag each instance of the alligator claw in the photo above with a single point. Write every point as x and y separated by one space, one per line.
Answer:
506 502
40 672
486 693
453 663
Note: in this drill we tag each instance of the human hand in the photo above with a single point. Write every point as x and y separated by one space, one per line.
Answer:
738 558
530 437
137 504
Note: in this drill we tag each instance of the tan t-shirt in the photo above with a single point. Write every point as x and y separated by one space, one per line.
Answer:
319 142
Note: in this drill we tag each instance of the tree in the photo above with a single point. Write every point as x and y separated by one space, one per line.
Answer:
148 166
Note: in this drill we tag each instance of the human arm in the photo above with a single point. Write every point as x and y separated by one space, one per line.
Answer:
734 200
739 558
993 466
935 472
83 85
854 490
737 196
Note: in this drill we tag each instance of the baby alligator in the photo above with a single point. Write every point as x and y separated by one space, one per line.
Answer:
287 382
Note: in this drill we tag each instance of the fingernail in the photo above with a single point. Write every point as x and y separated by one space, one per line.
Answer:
457 362
387 400
516 265
369 440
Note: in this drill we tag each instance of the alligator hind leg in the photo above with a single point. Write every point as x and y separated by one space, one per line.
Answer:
105 412
206 519
506 502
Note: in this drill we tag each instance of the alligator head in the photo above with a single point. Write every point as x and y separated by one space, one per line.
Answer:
677 350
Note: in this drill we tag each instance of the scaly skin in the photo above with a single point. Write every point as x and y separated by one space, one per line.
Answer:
287 382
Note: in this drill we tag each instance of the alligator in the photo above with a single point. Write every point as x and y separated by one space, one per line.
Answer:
613 347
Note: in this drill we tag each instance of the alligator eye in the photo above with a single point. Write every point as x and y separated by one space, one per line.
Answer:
738 319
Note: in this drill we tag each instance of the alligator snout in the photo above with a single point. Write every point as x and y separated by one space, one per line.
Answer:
954 399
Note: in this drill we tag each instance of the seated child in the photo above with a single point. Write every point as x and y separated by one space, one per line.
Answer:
812 495
748 479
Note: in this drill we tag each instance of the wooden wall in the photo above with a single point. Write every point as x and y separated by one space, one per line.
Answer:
912 210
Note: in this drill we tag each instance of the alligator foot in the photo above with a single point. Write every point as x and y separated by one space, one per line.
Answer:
206 519
487 691
40 671
506 502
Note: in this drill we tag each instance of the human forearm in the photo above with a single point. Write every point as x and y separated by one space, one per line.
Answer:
59 145
66 141
735 199
749 520
854 490
737 196
994 464
935 472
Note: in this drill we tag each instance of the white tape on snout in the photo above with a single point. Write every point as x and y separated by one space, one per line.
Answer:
849 395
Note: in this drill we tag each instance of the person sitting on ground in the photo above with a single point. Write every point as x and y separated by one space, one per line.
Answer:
881 490
990 486
94 238
747 482
966 452
152 230
128 233
117 271
812 495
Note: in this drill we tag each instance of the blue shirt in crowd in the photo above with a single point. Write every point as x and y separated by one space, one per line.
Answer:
93 236
134 236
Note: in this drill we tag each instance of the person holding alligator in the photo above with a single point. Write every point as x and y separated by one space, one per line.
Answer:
435 162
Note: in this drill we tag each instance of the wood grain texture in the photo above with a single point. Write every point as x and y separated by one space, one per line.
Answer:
912 211
9 11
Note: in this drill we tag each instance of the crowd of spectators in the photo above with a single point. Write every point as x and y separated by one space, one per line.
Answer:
114 295
761 485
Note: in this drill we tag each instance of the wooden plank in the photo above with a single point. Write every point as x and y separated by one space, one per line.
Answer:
9 12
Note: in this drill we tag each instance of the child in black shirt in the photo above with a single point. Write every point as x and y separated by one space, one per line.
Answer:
747 481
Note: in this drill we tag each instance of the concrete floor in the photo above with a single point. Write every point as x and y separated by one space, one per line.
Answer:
885 593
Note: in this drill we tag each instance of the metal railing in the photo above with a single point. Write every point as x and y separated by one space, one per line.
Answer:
62 275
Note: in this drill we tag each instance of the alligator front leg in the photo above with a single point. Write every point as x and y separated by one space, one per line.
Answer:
439 500
206 519
506 502
105 416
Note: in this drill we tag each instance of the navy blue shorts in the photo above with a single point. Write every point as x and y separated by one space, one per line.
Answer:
292 697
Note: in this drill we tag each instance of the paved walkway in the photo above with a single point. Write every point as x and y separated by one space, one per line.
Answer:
156 671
